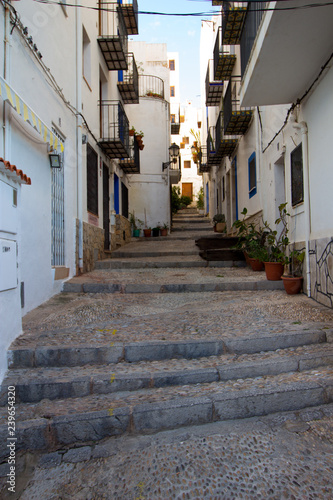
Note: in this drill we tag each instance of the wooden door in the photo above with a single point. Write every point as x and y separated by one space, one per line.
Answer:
187 189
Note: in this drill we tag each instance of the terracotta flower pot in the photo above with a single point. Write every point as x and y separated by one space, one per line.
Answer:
147 232
274 270
220 227
256 264
164 232
292 284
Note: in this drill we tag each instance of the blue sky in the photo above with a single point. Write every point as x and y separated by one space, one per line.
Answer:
182 34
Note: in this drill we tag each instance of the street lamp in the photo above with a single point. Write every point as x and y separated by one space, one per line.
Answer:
173 153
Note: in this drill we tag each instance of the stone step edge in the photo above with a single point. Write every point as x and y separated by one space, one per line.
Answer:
226 286
132 352
127 264
82 386
55 432
157 253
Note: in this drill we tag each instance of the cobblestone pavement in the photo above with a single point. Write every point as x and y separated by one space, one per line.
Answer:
283 456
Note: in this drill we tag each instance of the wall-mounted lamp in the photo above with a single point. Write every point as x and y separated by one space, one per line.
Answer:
54 160
173 153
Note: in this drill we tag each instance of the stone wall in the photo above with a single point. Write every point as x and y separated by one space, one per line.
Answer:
321 266
123 231
93 246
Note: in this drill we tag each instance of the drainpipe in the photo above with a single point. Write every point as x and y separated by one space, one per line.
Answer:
302 126
79 172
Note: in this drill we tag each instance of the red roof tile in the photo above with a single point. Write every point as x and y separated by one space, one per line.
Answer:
14 172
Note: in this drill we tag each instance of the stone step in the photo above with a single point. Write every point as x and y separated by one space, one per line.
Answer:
190 220
192 227
166 262
216 241
154 253
33 385
51 425
222 254
134 352
75 286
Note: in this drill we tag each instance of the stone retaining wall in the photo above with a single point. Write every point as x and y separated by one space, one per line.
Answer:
123 231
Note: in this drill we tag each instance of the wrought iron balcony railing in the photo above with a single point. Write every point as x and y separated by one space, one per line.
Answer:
202 165
224 58
112 38
131 165
251 25
128 81
131 15
236 119
151 86
233 15
114 131
214 89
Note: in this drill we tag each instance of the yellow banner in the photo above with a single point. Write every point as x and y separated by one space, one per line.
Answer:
8 95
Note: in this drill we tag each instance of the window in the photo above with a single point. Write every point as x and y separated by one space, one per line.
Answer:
181 119
173 118
297 191
182 145
252 176
172 65
172 91
86 58
186 140
187 164
92 181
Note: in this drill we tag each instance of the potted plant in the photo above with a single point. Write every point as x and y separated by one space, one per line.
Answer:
156 231
135 224
164 230
132 131
251 240
277 246
293 281
200 202
219 223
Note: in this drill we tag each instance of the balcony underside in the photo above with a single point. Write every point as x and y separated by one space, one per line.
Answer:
203 168
238 123
129 166
226 148
130 18
225 65
114 148
128 92
175 175
214 93
234 21
290 49
175 127
113 52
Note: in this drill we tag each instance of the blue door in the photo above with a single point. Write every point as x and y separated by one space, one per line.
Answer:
116 193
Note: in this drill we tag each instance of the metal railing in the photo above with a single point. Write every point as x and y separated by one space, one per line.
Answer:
135 10
112 24
229 11
114 122
151 86
252 22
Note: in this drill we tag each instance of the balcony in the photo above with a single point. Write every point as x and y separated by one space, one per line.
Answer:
211 149
217 2
114 127
131 165
128 82
224 60
220 145
214 89
289 49
233 16
236 119
113 38
175 172
151 86
202 163
131 15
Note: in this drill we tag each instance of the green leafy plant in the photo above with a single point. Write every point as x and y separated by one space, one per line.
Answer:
218 218
200 199
296 260
185 200
277 243
135 223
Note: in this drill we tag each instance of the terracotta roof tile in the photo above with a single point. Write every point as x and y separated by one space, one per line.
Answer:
13 172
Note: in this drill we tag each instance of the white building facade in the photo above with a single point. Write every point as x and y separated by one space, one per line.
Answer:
269 102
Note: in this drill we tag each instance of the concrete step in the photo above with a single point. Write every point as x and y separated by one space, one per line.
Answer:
192 227
134 352
34 385
222 254
185 262
154 253
50 425
190 220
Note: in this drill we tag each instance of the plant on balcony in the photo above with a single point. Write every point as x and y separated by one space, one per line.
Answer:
132 131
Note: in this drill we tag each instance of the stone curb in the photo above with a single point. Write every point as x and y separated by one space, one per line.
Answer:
108 382
53 433
156 350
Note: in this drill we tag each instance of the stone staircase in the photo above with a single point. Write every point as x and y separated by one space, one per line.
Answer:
76 392
70 396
